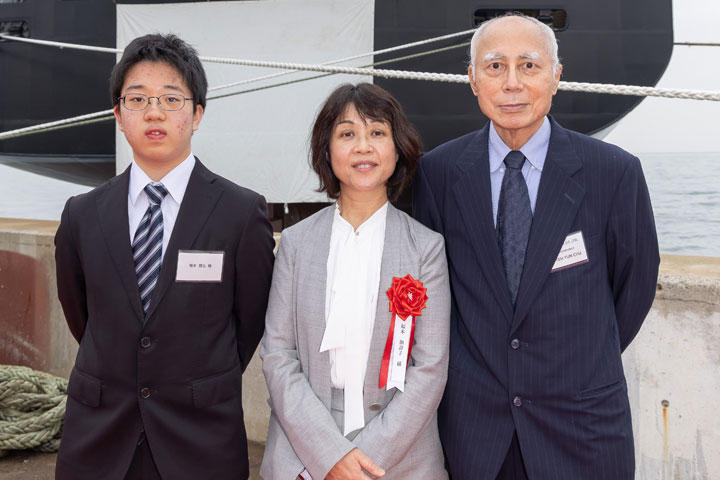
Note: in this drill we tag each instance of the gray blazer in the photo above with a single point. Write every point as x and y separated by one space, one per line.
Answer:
400 433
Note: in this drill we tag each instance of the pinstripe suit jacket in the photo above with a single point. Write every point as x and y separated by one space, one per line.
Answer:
401 436
549 369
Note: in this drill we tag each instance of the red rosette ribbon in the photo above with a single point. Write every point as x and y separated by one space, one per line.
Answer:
407 299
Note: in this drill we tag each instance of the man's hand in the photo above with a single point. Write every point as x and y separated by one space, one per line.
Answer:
351 466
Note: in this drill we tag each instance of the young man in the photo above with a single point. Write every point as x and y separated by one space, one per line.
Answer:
163 273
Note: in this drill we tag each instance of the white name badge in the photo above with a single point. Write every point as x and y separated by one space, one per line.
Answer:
399 354
198 266
572 252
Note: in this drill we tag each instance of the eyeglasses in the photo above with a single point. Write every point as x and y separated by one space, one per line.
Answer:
140 101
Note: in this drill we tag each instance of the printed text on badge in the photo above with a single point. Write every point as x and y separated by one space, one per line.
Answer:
572 252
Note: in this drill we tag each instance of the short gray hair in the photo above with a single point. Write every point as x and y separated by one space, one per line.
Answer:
547 32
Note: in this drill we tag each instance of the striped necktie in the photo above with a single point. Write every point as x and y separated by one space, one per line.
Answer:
514 219
147 245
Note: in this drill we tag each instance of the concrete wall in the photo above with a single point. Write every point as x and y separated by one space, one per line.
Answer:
671 367
32 327
673 376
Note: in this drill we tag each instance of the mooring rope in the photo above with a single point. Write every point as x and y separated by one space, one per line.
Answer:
49 43
409 75
77 46
58 124
456 78
347 59
634 90
313 77
32 407
106 115
329 68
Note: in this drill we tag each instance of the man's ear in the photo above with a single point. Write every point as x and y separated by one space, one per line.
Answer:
197 116
472 81
558 74
118 117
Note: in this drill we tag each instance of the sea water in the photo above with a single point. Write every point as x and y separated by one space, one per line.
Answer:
684 189
685 193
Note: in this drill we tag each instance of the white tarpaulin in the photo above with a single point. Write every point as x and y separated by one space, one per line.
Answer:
259 139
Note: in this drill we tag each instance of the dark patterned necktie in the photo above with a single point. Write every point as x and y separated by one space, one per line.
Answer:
147 245
514 219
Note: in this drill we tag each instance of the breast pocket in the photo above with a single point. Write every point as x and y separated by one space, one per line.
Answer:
576 251
201 301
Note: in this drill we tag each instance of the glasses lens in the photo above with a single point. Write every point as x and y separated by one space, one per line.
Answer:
135 101
171 102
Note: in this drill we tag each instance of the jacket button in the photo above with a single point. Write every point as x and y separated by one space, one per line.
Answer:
145 392
145 342
515 344
517 401
375 407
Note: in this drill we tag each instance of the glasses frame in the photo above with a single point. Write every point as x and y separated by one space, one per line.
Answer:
121 100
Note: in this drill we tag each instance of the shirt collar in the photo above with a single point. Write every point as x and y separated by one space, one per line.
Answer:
175 181
535 149
375 220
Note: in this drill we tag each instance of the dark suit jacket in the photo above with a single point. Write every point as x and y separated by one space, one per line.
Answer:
549 369
191 349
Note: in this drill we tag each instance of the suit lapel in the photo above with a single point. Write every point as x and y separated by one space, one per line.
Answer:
473 195
391 266
558 200
312 287
317 248
200 199
112 210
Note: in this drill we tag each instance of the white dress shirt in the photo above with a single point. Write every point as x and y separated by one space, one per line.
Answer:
175 182
353 278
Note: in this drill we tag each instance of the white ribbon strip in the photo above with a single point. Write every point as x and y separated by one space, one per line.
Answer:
399 353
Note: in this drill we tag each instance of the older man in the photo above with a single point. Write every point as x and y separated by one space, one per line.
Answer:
553 261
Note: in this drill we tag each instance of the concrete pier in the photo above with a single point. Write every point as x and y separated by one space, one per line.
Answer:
32 326
671 367
672 374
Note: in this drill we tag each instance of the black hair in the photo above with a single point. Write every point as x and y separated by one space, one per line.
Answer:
376 103
162 48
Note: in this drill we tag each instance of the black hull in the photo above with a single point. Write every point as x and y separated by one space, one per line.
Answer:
619 41
625 42
42 84
88 170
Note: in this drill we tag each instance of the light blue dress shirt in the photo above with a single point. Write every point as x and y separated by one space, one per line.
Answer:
535 151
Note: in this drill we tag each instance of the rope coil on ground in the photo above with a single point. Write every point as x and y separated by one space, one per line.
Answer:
32 407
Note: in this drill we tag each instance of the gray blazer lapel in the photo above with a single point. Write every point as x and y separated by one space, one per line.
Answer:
392 265
558 200
473 195
112 208
310 295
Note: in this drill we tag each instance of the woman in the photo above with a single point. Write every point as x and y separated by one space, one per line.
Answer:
347 306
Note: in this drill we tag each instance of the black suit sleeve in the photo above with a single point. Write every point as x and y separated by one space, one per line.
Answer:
253 270
633 257
70 276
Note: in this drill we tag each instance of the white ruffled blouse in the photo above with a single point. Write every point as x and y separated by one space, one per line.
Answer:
353 278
